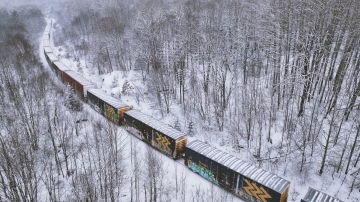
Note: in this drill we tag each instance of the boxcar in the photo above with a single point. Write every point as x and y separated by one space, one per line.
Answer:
315 195
243 179
112 108
47 29
51 58
59 68
46 36
47 49
159 135
78 83
46 42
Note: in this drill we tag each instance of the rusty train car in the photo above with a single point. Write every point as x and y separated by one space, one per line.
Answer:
78 83
241 178
59 69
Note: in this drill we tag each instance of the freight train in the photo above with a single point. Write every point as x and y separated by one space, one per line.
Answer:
246 181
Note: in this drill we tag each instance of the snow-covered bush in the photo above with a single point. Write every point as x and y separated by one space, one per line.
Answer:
71 101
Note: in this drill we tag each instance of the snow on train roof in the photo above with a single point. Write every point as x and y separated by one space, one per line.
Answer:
259 175
157 125
314 195
46 36
46 42
107 98
61 66
52 57
47 49
78 78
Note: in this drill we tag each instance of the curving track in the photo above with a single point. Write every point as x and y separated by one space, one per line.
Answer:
238 177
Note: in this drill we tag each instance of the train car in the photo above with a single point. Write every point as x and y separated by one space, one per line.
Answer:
243 179
315 195
46 43
78 83
112 108
47 49
46 36
47 29
59 68
159 135
51 58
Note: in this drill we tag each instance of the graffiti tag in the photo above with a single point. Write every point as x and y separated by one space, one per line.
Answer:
254 190
206 174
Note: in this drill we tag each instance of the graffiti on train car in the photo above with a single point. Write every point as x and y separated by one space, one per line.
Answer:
94 106
133 130
110 114
206 174
255 191
162 143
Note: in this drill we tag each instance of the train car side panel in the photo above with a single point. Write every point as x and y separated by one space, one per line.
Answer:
201 165
163 142
159 135
79 84
109 111
133 126
251 190
93 101
59 69
77 87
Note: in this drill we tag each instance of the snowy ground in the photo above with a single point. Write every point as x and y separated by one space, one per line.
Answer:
326 183
196 185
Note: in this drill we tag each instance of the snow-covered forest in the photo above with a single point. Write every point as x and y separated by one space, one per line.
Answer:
274 82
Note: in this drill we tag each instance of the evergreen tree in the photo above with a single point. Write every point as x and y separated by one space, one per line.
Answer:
72 102
177 125
127 88
115 82
191 132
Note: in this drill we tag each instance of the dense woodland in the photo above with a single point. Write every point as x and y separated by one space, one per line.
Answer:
53 149
277 80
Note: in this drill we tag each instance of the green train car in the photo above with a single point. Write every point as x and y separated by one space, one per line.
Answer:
112 108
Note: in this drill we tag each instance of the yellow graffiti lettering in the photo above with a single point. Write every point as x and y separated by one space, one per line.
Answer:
255 191
110 111
163 141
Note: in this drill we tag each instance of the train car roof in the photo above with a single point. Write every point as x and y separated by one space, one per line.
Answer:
46 36
155 124
107 98
47 28
259 175
314 195
52 57
46 42
47 49
78 78
61 66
